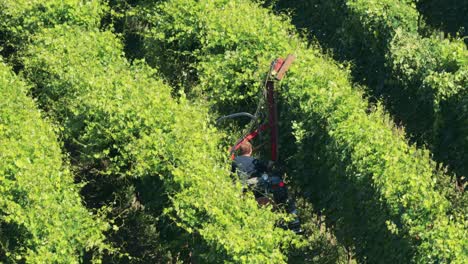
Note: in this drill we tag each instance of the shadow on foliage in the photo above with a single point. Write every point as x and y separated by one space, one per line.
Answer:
448 15
332 24
351 205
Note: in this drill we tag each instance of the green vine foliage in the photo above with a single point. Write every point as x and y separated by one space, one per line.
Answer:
379 190
439 70
42 219
108 178
137 233
19 19
121 121
415 76
319 249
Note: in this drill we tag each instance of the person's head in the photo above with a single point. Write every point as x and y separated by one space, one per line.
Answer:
245 148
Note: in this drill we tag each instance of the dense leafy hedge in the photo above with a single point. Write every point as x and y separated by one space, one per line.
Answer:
414 79
42 219
432 74
111 180
379 189
121 121
18 19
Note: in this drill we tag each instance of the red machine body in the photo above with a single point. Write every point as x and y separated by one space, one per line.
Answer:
278 69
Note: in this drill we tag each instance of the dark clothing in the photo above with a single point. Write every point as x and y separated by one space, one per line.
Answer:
249 166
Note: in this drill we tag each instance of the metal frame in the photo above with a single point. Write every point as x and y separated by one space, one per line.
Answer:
278 70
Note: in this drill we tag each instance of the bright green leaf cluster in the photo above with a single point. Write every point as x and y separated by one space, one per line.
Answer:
42 217
19 19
